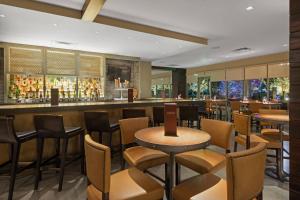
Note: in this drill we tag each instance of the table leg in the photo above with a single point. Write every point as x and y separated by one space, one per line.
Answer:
170 176
282 175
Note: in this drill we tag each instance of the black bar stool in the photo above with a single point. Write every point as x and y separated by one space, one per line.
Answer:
158 116
133 113
189 114
52 126
15 139
99 122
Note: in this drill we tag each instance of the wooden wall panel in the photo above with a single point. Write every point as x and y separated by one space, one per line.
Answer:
179 82
1 75
294 99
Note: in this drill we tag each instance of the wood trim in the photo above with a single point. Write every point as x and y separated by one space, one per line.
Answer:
91 9
72 13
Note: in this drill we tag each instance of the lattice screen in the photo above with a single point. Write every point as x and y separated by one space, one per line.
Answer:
61 63
23 60
91 65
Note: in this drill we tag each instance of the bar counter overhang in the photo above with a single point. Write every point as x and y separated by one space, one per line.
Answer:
73 117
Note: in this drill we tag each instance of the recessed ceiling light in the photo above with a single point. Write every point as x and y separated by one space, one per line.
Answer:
55 25
250 8
285 45
2 16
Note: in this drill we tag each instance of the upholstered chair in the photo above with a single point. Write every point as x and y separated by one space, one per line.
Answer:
245 172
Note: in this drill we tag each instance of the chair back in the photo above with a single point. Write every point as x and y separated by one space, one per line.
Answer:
219 131
188 113
235 105
273 111
202 107
49 125
158 115
245 173
241 123
7 131
129 127
254 107
98 164
133 113
96 121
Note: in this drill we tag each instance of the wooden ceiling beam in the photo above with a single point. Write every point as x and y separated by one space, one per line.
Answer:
77 14
91 9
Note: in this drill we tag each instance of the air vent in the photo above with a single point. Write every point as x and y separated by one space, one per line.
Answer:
173 65
63 43
243 49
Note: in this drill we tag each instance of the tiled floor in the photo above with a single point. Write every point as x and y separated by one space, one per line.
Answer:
75 185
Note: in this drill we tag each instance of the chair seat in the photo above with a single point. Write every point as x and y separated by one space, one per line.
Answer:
272 131
130 184
72 131
144 158
201 161
26 135
194 186
254 139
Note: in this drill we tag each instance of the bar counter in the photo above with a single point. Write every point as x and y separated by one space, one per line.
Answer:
73 117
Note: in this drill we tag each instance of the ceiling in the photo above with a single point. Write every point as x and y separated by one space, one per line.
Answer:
226 24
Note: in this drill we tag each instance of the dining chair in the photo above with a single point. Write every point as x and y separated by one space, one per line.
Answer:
14 139
245 172
129 184
207 160
267 127
133 113
235 107
190 114
243 135
158 116
137 156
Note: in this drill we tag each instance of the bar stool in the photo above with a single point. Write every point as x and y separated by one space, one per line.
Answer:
158 116
133 113
15 139
189 114
99 122
52 126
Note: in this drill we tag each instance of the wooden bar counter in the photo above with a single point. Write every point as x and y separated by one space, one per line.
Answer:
73 116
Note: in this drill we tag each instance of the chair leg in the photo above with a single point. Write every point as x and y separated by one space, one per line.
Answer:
167 182
62 163
40 148
178 173
123 163
57 152
82 153
235 147
14 168
277 162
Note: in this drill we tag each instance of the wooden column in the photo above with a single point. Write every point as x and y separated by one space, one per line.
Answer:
179 82
1 75
294 99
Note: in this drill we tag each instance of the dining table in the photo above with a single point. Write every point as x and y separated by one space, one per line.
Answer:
279 120
187 139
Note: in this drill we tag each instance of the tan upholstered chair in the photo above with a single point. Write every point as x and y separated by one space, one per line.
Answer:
138 156
235 107
243 132
267 128
130 184
206 160
245 179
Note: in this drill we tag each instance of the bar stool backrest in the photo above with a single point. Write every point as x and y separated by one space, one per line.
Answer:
129 127
273 111
158 114
49 125
202 107
7 131
219 131
97 121
241 123
245 173
188 113
133 113
98 165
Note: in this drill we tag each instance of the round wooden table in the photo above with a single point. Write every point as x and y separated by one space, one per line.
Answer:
187 139
279 120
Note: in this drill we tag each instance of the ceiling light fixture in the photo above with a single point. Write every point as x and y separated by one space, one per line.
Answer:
2 16
285 45
55 25
249 8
